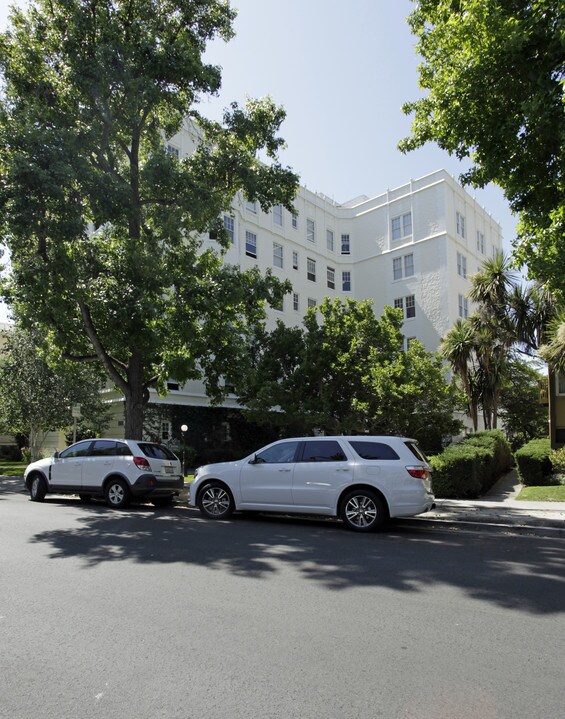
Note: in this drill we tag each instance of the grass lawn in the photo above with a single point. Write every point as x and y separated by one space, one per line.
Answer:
14 469
555 493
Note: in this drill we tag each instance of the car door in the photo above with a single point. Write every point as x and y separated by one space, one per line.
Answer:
322 470
266 480
98 464
66 470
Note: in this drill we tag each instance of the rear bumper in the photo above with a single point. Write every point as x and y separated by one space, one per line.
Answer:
148 485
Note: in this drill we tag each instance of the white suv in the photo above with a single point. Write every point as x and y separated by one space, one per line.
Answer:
117 469
364 480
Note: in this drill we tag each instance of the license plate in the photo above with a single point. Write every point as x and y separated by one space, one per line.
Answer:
168 470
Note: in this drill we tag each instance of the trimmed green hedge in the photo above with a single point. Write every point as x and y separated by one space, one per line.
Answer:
470 468
534 464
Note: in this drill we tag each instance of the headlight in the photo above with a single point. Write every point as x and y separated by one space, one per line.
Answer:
196 471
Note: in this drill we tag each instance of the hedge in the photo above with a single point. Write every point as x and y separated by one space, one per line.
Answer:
470 468
534 464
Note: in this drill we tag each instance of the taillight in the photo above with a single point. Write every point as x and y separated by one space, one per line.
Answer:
142 463
418 472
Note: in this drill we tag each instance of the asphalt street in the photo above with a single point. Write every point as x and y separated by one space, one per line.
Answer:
152 613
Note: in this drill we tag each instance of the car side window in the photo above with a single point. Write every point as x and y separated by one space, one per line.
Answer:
76 450
374 450
279 454
322 451
103 448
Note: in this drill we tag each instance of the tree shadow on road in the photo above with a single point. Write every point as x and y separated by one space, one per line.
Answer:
526 573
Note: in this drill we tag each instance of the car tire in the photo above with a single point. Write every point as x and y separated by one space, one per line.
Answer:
362 511
117 494
162 501
215 501
85 498
37 488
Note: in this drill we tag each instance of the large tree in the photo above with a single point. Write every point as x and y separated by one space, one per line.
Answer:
346 371
104 226
492 75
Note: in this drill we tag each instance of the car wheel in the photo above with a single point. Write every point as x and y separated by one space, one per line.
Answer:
37 489
85 498
162 501
362 511
117 494
215 501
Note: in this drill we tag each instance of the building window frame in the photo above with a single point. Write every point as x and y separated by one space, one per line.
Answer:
346 280
278 215
330 240
250 244
462 265
278 255
401 226
229 227
294 260
295 301
311 269
310 230
460 224
346 244
330 275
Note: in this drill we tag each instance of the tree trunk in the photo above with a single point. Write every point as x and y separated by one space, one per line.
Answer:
135 398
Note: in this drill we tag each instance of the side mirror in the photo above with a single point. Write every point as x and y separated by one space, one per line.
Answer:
254 460
55 455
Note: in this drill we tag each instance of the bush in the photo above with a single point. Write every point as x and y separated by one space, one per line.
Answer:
10 453
470 468
534 464
459 471
501 455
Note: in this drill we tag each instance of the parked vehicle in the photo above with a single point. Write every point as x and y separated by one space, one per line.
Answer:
362 479
116 469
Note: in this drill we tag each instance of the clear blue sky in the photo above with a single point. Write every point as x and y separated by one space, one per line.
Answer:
342 70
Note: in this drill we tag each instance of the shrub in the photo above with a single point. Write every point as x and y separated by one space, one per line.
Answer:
459 471
470 468
497 444
10 453
534 464
557 459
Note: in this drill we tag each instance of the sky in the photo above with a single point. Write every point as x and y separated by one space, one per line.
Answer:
342 71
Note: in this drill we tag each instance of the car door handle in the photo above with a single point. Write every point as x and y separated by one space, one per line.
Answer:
284 470
347 469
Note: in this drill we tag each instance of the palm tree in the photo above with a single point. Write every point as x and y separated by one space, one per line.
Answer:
457 347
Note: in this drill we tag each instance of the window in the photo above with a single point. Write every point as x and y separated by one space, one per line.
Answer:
229 225
401 226
310 230
346 281
345 245
277 255
408 304
330 240
311 269
173 385
295 260
279 306
251 205
311 302
104 448
278 215
463 307
461 265
403 267
322 451
282 453
165 430
250 244
172 150
480 243
409 342
295 299
294 221
560 379
331 278
374 450
460 222
76 450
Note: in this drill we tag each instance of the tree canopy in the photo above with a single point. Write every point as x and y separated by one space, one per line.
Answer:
346 372
37 394
104 226
493 74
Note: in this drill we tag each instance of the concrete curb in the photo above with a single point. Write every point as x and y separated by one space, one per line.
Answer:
492 527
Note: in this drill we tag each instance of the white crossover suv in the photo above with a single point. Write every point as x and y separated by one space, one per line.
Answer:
116 469
363 479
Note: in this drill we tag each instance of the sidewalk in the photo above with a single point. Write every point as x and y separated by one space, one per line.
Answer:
500 509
